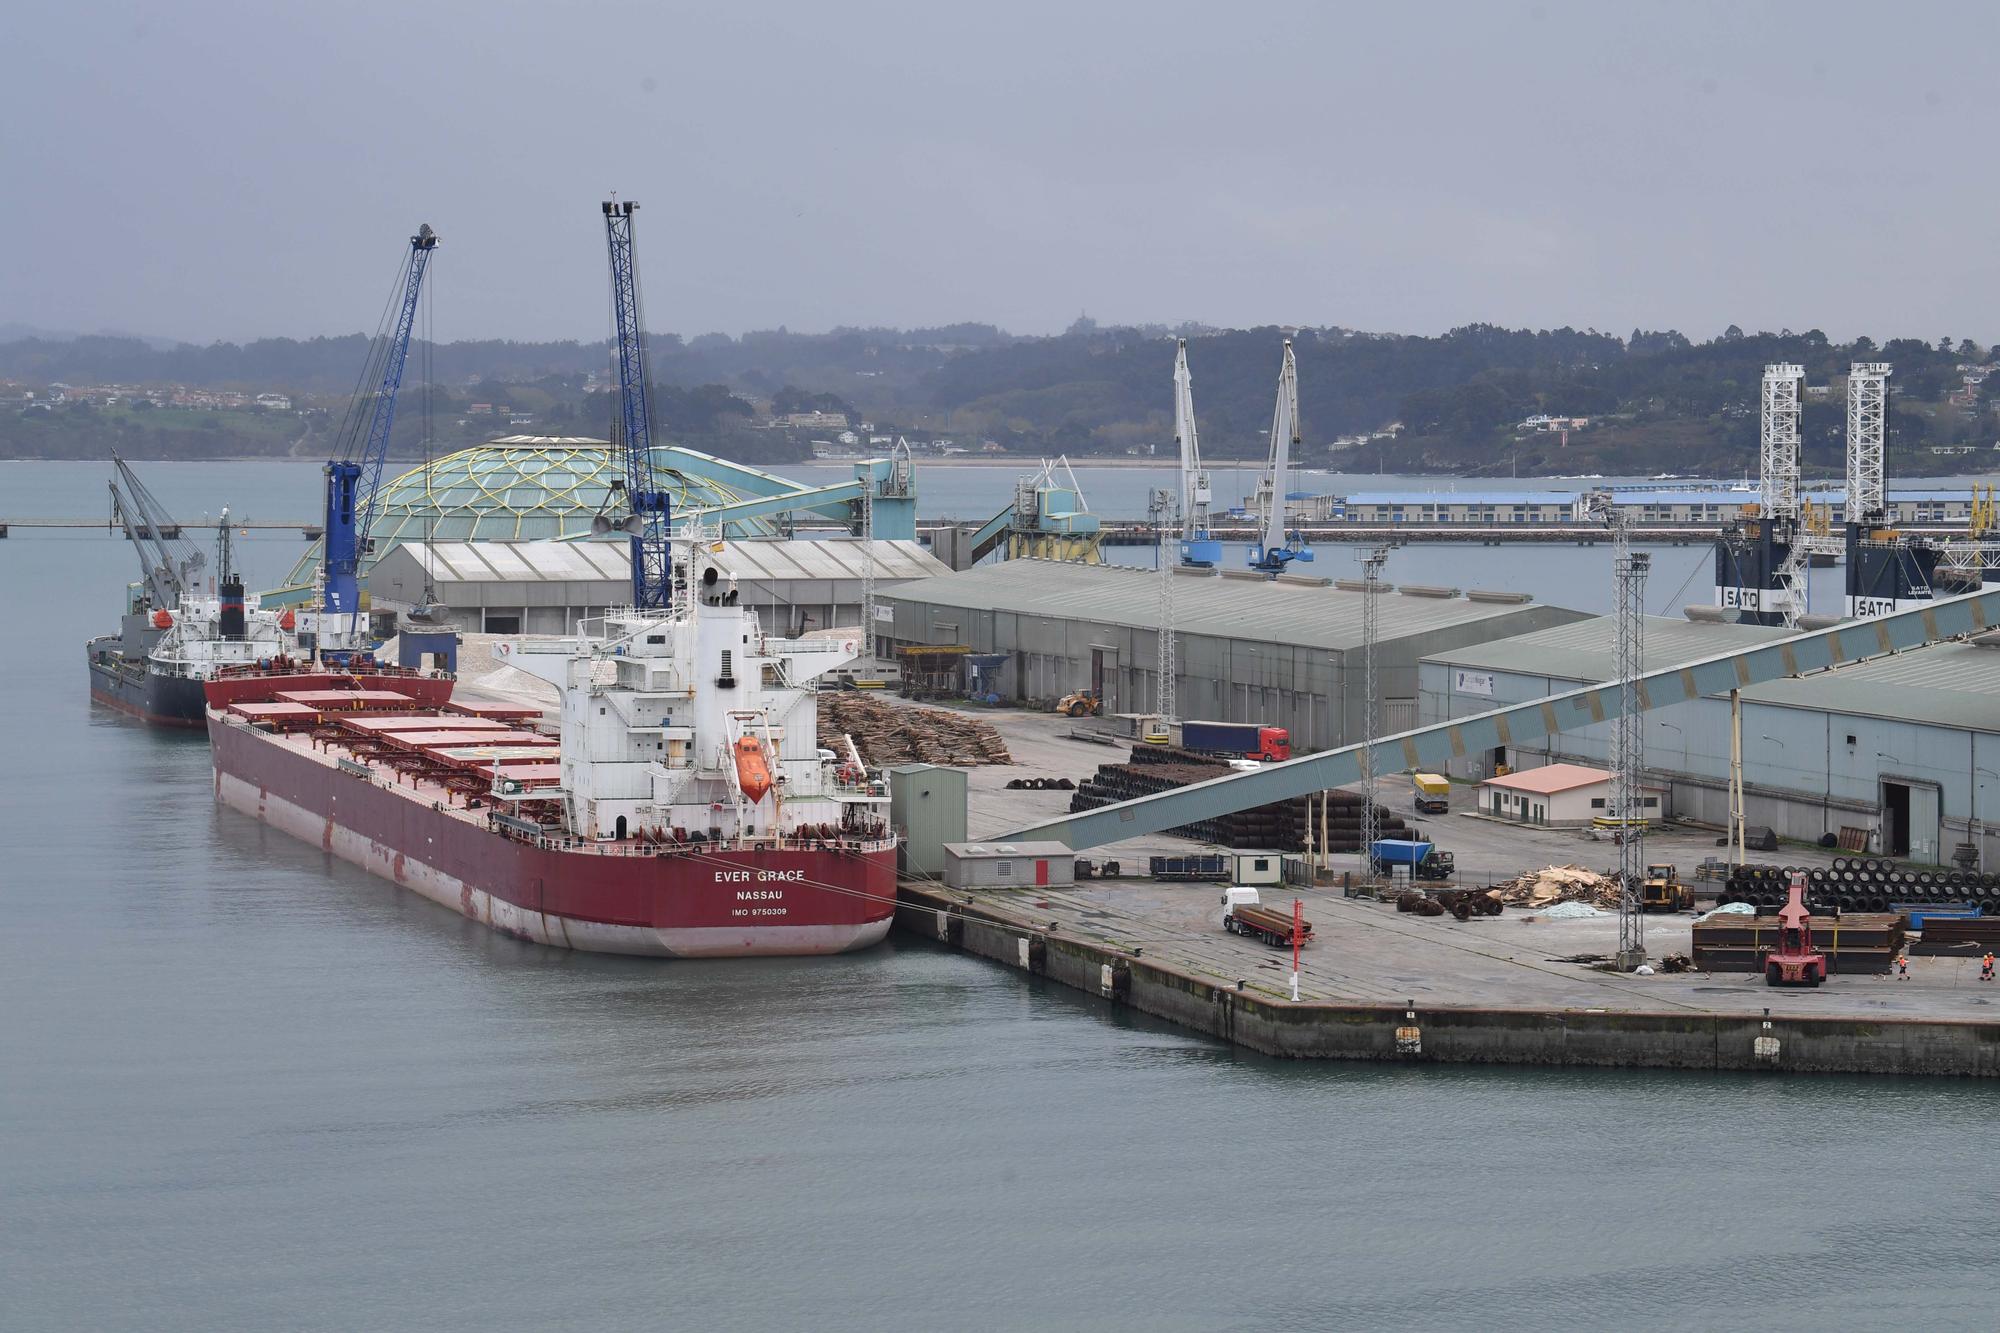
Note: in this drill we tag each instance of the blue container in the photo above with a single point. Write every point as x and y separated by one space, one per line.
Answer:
1921 912
1400 852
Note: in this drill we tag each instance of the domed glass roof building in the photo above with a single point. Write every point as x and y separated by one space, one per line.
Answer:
536 488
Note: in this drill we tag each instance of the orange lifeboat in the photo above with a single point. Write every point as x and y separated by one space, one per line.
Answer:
288 622
163 619
753 775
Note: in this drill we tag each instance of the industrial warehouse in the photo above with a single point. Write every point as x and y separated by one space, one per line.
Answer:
549 587
1906 747
1280 651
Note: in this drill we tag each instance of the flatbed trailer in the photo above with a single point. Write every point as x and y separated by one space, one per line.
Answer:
1252 918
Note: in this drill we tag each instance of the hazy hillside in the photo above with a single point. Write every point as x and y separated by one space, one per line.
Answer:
1653 401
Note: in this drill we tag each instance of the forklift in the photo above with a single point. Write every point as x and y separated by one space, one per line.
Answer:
1795 962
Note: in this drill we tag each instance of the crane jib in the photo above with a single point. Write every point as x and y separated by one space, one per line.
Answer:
648 524
353 483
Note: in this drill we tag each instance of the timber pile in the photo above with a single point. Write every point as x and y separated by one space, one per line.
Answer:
1559 884
1280 826
895 734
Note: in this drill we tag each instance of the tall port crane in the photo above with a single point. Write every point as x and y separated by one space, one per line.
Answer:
648 521
1198 549
1274 551
354 476
167 561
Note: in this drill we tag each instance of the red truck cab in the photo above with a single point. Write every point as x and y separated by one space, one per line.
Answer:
1273 744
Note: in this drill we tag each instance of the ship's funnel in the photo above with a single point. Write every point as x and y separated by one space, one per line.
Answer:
230 620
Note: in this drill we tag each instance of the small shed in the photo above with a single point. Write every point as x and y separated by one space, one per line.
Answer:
1257 868
1558 794
927 807
1009 865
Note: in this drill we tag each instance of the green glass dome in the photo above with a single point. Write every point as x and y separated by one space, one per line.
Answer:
519 488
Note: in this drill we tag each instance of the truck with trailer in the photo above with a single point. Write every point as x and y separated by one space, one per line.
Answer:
1243 913
1433 793
1424 860
1238 740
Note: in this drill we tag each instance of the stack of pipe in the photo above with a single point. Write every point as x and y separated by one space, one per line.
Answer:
1281 826
1863 884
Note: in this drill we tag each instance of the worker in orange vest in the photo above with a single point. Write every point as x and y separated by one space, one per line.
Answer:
1986 966
1902 967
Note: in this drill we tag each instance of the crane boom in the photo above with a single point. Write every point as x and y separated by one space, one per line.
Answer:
1284 431
1272 554
648 523
166 562
353 479
1196 547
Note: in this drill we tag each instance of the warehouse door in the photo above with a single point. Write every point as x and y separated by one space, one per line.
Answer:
1104 679
1910 821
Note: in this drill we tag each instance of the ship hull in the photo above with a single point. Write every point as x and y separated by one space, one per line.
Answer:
672 903
163 701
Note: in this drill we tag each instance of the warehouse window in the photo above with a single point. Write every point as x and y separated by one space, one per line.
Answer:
1597 802
1004 869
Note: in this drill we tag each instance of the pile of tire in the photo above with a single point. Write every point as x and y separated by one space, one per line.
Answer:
1864 884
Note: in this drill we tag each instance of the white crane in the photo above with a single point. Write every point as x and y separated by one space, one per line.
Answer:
1197 548
1273 553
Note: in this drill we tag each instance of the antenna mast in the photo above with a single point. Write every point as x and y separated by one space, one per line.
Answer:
1628 744
1162 511
1371 813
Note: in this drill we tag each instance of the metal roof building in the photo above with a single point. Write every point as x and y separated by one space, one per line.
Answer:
1906 746
502 587
1284 652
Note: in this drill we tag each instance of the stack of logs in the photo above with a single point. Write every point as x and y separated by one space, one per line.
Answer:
1280 826
898 734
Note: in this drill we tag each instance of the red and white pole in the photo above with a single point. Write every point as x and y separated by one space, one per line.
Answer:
1298 926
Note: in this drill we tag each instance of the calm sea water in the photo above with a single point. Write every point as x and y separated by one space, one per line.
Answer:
245 1087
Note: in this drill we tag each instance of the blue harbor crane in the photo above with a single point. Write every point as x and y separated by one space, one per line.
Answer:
648 522
355 474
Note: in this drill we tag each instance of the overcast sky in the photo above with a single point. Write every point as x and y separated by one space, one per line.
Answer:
206 170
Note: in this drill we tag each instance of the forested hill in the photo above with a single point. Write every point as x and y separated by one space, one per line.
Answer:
1653 401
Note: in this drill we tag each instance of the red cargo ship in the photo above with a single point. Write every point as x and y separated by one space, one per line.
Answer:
682 808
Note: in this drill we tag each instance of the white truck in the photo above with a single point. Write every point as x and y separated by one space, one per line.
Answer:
1243 913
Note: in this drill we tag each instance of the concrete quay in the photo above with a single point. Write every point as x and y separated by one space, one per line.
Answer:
1381 985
